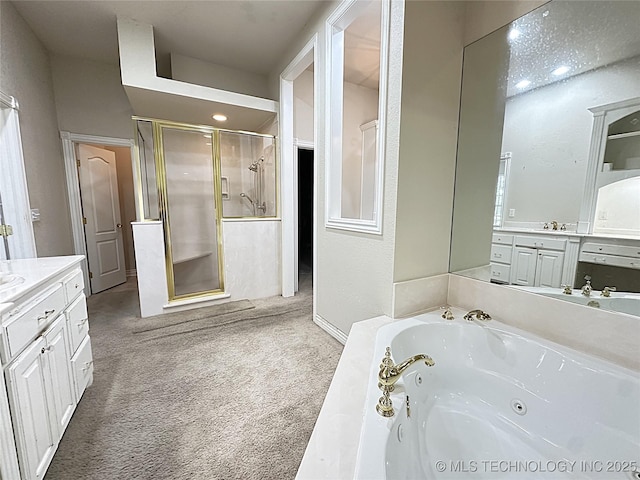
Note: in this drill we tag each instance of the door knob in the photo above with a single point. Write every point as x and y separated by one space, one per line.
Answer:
119 225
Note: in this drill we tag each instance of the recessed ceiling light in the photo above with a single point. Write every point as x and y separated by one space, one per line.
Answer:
560 70
218 117
523 84
514 33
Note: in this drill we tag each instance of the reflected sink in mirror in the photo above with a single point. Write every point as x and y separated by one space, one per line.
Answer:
9 280
621 302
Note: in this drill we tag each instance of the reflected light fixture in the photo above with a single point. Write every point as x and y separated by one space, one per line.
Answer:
560 70
218 117
514 33
523 84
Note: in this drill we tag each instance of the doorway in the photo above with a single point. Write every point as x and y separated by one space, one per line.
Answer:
305 216
100 184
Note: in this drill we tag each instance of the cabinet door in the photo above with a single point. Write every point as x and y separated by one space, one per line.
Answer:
28 393
523 266
549 268
61 393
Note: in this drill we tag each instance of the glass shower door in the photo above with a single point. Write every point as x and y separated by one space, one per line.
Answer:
188 173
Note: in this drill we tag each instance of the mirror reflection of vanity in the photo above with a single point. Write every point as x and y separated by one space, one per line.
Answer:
548 171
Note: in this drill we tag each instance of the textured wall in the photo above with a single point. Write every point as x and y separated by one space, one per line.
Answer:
90 98
25 73
431 76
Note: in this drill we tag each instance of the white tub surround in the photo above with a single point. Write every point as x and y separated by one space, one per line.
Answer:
45 354
612 336
148 241
419 295
252 257
251 252
332 448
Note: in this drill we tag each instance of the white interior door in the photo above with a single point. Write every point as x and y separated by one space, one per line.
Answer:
101 210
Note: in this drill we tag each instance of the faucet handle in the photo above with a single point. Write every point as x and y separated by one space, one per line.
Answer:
606 291
587 277
447 314
567 289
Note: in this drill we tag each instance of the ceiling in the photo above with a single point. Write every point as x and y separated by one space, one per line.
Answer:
362 48
582 35
247 35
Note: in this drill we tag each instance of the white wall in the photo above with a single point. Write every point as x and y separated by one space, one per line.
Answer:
25 73
303 107
360 107
192 70
90 98
548 131
428 136
354 270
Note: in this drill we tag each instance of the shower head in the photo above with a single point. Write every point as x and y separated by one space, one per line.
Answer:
254 166
244 195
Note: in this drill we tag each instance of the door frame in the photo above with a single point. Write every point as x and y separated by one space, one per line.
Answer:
73 189
288 167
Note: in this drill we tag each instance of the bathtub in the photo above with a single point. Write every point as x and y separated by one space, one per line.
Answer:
499 403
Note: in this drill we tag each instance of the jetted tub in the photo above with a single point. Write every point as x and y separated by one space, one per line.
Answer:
499 403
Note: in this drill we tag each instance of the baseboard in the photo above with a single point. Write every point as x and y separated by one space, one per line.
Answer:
132 273
330 329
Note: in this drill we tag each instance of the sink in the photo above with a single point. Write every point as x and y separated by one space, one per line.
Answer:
9 280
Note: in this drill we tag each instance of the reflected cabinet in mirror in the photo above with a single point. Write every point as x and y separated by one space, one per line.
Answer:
547 194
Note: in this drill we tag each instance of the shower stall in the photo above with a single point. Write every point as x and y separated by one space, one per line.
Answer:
190 178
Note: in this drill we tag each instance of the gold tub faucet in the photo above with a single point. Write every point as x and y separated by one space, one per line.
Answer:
389 374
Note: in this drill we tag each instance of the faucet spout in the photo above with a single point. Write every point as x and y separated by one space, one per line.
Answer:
389 374
478 314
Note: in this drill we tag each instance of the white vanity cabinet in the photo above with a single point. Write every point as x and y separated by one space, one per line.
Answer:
538 261
534 260
537 268
46 358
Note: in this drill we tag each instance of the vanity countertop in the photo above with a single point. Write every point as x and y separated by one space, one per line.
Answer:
540 231
30 273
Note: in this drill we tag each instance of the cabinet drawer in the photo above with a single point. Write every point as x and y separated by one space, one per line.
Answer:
74 285
78 322
541 242
501 253
82 365
28 323
613 260
502 239
609 249
500 272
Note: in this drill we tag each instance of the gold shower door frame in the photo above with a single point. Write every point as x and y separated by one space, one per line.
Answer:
161 176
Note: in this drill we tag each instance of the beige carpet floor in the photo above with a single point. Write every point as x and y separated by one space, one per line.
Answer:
228 392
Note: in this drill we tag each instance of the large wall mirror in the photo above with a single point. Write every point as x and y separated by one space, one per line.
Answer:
357 58
547 194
